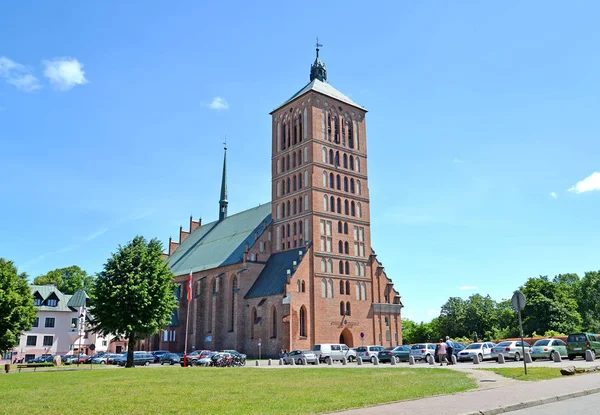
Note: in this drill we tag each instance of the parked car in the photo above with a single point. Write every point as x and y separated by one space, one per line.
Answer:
192 358
89 359
335 352
578 343
205 361
297 355
169 358
114 357
369 353
157 355
235 353
546 348
398 353
481 350
139 359
349 353
102 359
510 350
456 348
421 351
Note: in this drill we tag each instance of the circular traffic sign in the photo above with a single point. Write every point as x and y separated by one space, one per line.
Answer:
362 335
518 300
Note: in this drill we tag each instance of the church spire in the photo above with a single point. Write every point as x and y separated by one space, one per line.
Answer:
223 201
317 69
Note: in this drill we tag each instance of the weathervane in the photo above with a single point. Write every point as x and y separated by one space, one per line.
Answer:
318 46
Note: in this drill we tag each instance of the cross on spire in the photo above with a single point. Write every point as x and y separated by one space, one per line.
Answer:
318 46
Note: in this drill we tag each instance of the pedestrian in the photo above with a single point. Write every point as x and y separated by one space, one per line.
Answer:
449 349
442 352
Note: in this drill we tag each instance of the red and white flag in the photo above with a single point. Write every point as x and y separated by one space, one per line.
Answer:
189 287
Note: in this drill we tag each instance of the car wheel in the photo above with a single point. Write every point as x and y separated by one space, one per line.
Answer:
480 358
162 363
373 359
533 358
571 357
147 364
171 363
102 362
299 362
552 355
517 357
350 359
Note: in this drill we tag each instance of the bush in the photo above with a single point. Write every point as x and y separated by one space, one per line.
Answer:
44 364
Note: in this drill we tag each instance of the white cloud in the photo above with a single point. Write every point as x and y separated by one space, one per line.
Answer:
468 287
553 195
590 183
218 104
64 73
18 75
96 234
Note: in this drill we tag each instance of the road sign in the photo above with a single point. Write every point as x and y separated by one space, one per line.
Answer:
518 300
362 335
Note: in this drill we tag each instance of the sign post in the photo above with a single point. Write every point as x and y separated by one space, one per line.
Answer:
362 338
518 302
259 344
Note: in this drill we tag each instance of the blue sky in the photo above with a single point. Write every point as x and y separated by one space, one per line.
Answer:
481 118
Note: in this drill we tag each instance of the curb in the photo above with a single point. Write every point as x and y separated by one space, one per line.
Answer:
535 402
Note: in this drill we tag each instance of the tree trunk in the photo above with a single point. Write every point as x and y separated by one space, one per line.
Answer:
130 347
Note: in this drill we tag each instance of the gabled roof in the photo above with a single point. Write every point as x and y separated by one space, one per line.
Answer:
273 277
79 299
219 243
323 88
46 291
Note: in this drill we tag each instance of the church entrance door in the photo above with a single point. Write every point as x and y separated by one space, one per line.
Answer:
346 338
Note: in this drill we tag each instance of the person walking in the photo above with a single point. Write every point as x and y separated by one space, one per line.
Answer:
449 349
442 352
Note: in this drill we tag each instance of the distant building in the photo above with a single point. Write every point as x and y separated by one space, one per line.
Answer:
58 327
299 270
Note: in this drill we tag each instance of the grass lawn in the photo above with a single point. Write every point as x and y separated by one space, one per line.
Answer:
533 373
219 390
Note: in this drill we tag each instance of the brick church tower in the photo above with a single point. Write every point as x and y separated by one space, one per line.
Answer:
320 197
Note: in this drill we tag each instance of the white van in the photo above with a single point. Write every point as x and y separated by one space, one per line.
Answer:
335 352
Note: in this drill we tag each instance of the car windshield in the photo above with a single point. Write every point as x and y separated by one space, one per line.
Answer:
576 338
503 344
361 349
418 346
474 346
542 343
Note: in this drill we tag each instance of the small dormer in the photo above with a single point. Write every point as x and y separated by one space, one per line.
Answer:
37 299
52 300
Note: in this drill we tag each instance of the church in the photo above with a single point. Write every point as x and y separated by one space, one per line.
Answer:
299 270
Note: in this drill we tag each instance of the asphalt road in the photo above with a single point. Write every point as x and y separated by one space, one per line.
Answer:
578 406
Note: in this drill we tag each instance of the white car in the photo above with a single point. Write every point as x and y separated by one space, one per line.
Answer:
368 353
421 351
481 350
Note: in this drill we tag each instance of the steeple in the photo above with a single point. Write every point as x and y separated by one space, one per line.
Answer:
317 69
223 201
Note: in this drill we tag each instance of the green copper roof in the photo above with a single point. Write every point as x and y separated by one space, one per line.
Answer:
273 277
45 292
79 299
219 243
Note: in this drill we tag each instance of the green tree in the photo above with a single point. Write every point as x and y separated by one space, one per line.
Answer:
588 298
480 316
452 317
68 280
134 293
16 306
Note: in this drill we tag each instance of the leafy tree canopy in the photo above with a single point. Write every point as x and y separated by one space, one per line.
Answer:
16 306
68 280
134 293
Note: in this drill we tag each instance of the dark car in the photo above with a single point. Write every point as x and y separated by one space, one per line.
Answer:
139 359
88 359
457 347
169 358
158 354
399 353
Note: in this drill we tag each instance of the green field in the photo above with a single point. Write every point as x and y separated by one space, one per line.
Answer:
533 373
219 390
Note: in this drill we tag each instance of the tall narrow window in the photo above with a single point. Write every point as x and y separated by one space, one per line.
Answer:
253 317
300 204
346 248
300 127
323 265
283 141
330 288
330 156
329 126
351 163
330 265
294 159
299 157
347 287
302 321
337 159
339 205
358 187
295 229
324 154
233 291
300 226
288 187
345 184
353 211
332 200
273 322
340 227
295 183
336 125
346 228
351 185
350 134
325 203
331 180
347 268
340 247
342 308
345 161
323 288
341 287
295 207
357 164
341 267
324 179
348 308
358 210
303 286
346 210
287 162
358 291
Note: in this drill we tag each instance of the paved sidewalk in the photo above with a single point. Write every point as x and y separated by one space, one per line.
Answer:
516 395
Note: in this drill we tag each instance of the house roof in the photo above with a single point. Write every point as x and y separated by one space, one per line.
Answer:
219 243
79 299
273 277
323 88
46 291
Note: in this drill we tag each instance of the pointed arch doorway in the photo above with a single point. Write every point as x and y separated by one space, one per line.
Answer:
346 338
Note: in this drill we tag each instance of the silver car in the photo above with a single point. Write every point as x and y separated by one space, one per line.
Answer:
297 355
421 351
510 350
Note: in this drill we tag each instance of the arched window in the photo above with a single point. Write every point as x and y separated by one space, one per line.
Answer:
331 180
351 185
341 267
294 159
345 161
339 205
330 288
306 202
343 133
303 286
330 156
332 200
346 228
302 321
299 157
340 226
305 178
358 210
325 203
299 181
358 187
347 268
288 230
324 178
278 166
295 207
283 188
347 287
301 227
363 270
295 183
233 292
353 212
342 308
337 159
287 162
288 187
283 129
340 247
323 265
350 134
336 126
324 154
287 208
305 154
300 127
278 191
329 126
330 265
345 184
346 210
298 284
300 204
364 290
358 291
323 288
273 322
341 287
253 318
357 164
338 182
348 308
346 248
295 228
283 231
357 268
351 163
